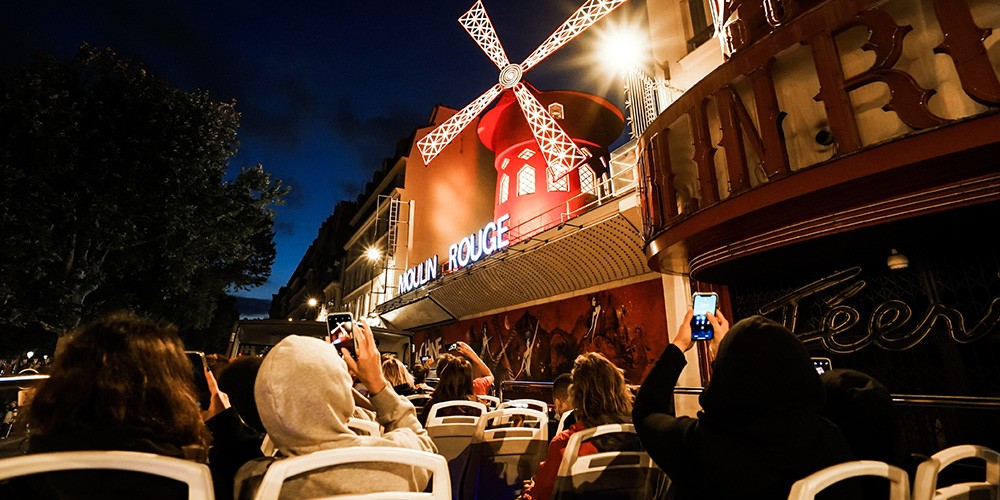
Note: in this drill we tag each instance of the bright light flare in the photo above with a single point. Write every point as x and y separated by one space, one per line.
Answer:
622 46
373 254
312 302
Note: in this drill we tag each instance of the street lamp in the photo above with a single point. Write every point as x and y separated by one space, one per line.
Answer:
312 302
373 254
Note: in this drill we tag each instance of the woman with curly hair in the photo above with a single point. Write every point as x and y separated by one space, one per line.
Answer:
598 395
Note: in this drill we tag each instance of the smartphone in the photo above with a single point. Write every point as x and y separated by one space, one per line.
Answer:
341 328
198 367
452 347
704 303
822 365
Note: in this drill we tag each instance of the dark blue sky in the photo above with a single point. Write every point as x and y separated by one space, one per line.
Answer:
325 89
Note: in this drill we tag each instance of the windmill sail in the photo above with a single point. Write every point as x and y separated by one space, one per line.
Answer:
559 151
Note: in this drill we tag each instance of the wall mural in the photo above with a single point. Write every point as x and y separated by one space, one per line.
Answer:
626 324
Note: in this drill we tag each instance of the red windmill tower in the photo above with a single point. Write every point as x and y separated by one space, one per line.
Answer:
558 152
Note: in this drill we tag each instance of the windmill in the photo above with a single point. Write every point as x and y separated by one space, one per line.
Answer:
558 150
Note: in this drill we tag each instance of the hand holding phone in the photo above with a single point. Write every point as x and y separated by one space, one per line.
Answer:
704 303
341 329
198 368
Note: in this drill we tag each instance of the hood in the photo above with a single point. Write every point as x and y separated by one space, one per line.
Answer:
303 393
863 408
761 370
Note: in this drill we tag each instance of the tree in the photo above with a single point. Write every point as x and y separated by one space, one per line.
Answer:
113 194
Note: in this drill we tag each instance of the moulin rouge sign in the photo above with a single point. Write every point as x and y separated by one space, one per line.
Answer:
488 240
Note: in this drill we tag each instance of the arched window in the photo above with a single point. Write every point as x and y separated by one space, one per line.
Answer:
588 180
504 188
553 184
557 111
526 180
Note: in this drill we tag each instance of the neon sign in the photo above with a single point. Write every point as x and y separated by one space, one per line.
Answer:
488 240
419 275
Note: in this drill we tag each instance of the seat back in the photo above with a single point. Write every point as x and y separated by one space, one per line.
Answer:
610 473
364 427
807 487
531 404
513 442
491 402
281 470
926 478
419 400
562 421
453 433
195 475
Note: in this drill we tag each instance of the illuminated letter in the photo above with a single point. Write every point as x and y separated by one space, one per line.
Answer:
464 252
477 246
453 258
488 236
501 233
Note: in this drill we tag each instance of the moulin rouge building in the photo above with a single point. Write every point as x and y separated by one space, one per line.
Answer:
833 165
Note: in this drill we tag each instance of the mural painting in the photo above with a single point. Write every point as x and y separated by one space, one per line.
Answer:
626 324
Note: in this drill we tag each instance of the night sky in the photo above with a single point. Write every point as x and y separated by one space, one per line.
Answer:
325 89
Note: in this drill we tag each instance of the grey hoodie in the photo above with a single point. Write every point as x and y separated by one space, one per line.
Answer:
303 393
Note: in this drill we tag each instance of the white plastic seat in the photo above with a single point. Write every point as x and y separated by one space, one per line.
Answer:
562 421
531 404
926 478
614 473
516 440
419 400
452 434
364 427
491 402
807 487
196 475
283 469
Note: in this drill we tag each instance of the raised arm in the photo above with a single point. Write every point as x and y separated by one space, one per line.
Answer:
479 368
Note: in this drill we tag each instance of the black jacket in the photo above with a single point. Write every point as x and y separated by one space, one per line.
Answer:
759 430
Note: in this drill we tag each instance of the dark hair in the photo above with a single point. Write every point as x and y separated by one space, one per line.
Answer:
598 391
560 386
237 381
454 379
121 370
419 373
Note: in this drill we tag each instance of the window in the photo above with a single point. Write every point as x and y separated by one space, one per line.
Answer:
526 180
588 180
702 27
526 154
553 184
557 111
504 188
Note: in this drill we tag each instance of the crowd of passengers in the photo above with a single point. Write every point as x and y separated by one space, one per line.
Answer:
122 382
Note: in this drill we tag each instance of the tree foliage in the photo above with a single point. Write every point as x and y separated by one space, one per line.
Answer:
114 193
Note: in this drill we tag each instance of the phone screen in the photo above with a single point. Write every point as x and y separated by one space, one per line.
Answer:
198 366
341 328
822 365
704 303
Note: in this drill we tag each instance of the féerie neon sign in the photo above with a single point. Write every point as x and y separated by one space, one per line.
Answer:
490 239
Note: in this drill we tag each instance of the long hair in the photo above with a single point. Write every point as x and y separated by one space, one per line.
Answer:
454 379
395 373
121 370
598 391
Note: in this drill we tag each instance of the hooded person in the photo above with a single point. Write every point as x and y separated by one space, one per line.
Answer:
305 399
759 429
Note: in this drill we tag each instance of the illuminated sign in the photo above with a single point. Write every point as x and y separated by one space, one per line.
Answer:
419 275
491 238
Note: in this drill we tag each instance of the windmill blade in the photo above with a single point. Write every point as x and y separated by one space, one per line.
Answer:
478 24
559 151
588 14
437 139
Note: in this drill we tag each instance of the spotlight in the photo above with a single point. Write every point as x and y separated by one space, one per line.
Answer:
897 261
